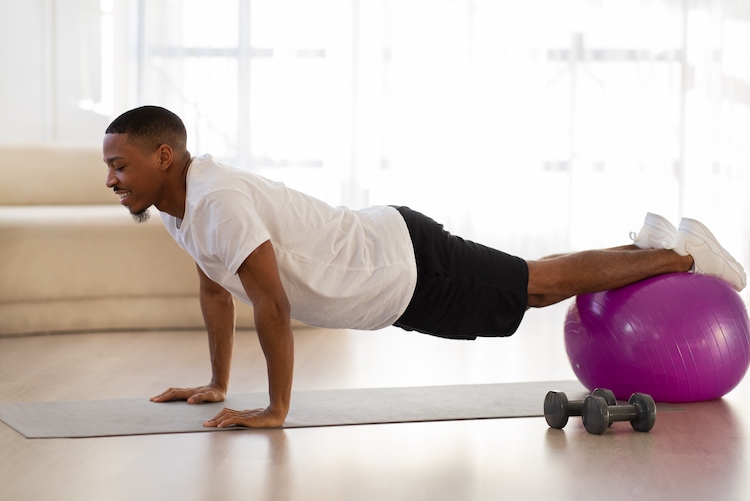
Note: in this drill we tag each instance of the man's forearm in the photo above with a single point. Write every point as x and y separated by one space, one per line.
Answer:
275 334
219 317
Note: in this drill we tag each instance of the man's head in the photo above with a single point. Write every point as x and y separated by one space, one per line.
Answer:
143 149
148 127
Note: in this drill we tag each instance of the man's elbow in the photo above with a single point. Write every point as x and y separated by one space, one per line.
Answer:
277 309
216 295
284 308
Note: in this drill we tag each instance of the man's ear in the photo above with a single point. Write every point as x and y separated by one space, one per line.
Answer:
165 156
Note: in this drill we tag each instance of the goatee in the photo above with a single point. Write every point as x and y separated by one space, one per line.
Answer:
141 217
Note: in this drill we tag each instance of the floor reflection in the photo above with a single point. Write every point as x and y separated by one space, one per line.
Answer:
704 441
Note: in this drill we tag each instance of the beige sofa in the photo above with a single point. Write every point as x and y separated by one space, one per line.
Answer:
72 259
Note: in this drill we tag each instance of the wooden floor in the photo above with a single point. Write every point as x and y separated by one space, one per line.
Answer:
701 453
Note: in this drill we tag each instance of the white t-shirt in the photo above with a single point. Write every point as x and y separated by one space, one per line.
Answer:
340 268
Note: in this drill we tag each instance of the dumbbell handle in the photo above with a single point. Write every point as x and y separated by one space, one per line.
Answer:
623 413
574 407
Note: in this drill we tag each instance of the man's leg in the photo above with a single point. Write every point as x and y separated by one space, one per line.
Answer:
659 248
622 247
556 278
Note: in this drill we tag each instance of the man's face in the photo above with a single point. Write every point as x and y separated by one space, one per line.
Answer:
134 176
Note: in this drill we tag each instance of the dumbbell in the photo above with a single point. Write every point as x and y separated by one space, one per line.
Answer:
557 407
598 414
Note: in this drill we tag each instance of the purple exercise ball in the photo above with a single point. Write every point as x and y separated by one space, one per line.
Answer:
679 337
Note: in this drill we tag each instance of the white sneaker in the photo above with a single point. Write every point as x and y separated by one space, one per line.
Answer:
709 257
657 233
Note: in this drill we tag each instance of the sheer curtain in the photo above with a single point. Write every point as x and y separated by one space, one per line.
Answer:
535 127
716 178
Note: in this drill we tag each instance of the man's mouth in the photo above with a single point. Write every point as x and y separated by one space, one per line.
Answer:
124 195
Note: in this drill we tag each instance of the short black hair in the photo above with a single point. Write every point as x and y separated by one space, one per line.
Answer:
151 126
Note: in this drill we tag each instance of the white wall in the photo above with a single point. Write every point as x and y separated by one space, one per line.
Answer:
50 60
23 85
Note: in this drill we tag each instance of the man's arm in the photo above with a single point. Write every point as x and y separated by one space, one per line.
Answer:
260 278
217 305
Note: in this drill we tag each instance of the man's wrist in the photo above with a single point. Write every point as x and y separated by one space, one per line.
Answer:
219 386
279 409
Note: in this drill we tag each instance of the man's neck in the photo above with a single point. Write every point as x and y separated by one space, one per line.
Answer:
174 205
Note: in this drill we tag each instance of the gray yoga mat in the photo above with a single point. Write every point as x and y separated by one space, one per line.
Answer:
139 416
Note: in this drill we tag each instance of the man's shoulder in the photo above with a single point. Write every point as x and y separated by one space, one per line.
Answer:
207 176
207 169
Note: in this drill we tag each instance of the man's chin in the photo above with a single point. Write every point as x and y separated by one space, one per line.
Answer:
142 216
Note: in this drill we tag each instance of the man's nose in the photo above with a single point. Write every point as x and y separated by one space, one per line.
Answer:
111 179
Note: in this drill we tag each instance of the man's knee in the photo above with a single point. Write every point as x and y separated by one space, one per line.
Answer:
542 300
545 286
541 278
534 301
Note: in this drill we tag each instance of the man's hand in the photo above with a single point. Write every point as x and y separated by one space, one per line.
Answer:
255 418
208 393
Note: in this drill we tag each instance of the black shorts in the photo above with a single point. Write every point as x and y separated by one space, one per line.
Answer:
464 289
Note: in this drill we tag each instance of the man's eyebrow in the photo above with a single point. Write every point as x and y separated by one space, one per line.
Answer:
112 159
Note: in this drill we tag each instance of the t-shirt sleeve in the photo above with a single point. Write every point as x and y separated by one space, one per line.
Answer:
230 227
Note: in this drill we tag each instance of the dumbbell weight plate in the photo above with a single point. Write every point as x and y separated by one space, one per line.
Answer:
555 405
647 417
608 395
595 414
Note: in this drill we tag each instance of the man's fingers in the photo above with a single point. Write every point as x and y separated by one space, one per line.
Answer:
199 397
192 395
221 416
206 396
230 421
229 417
171 394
